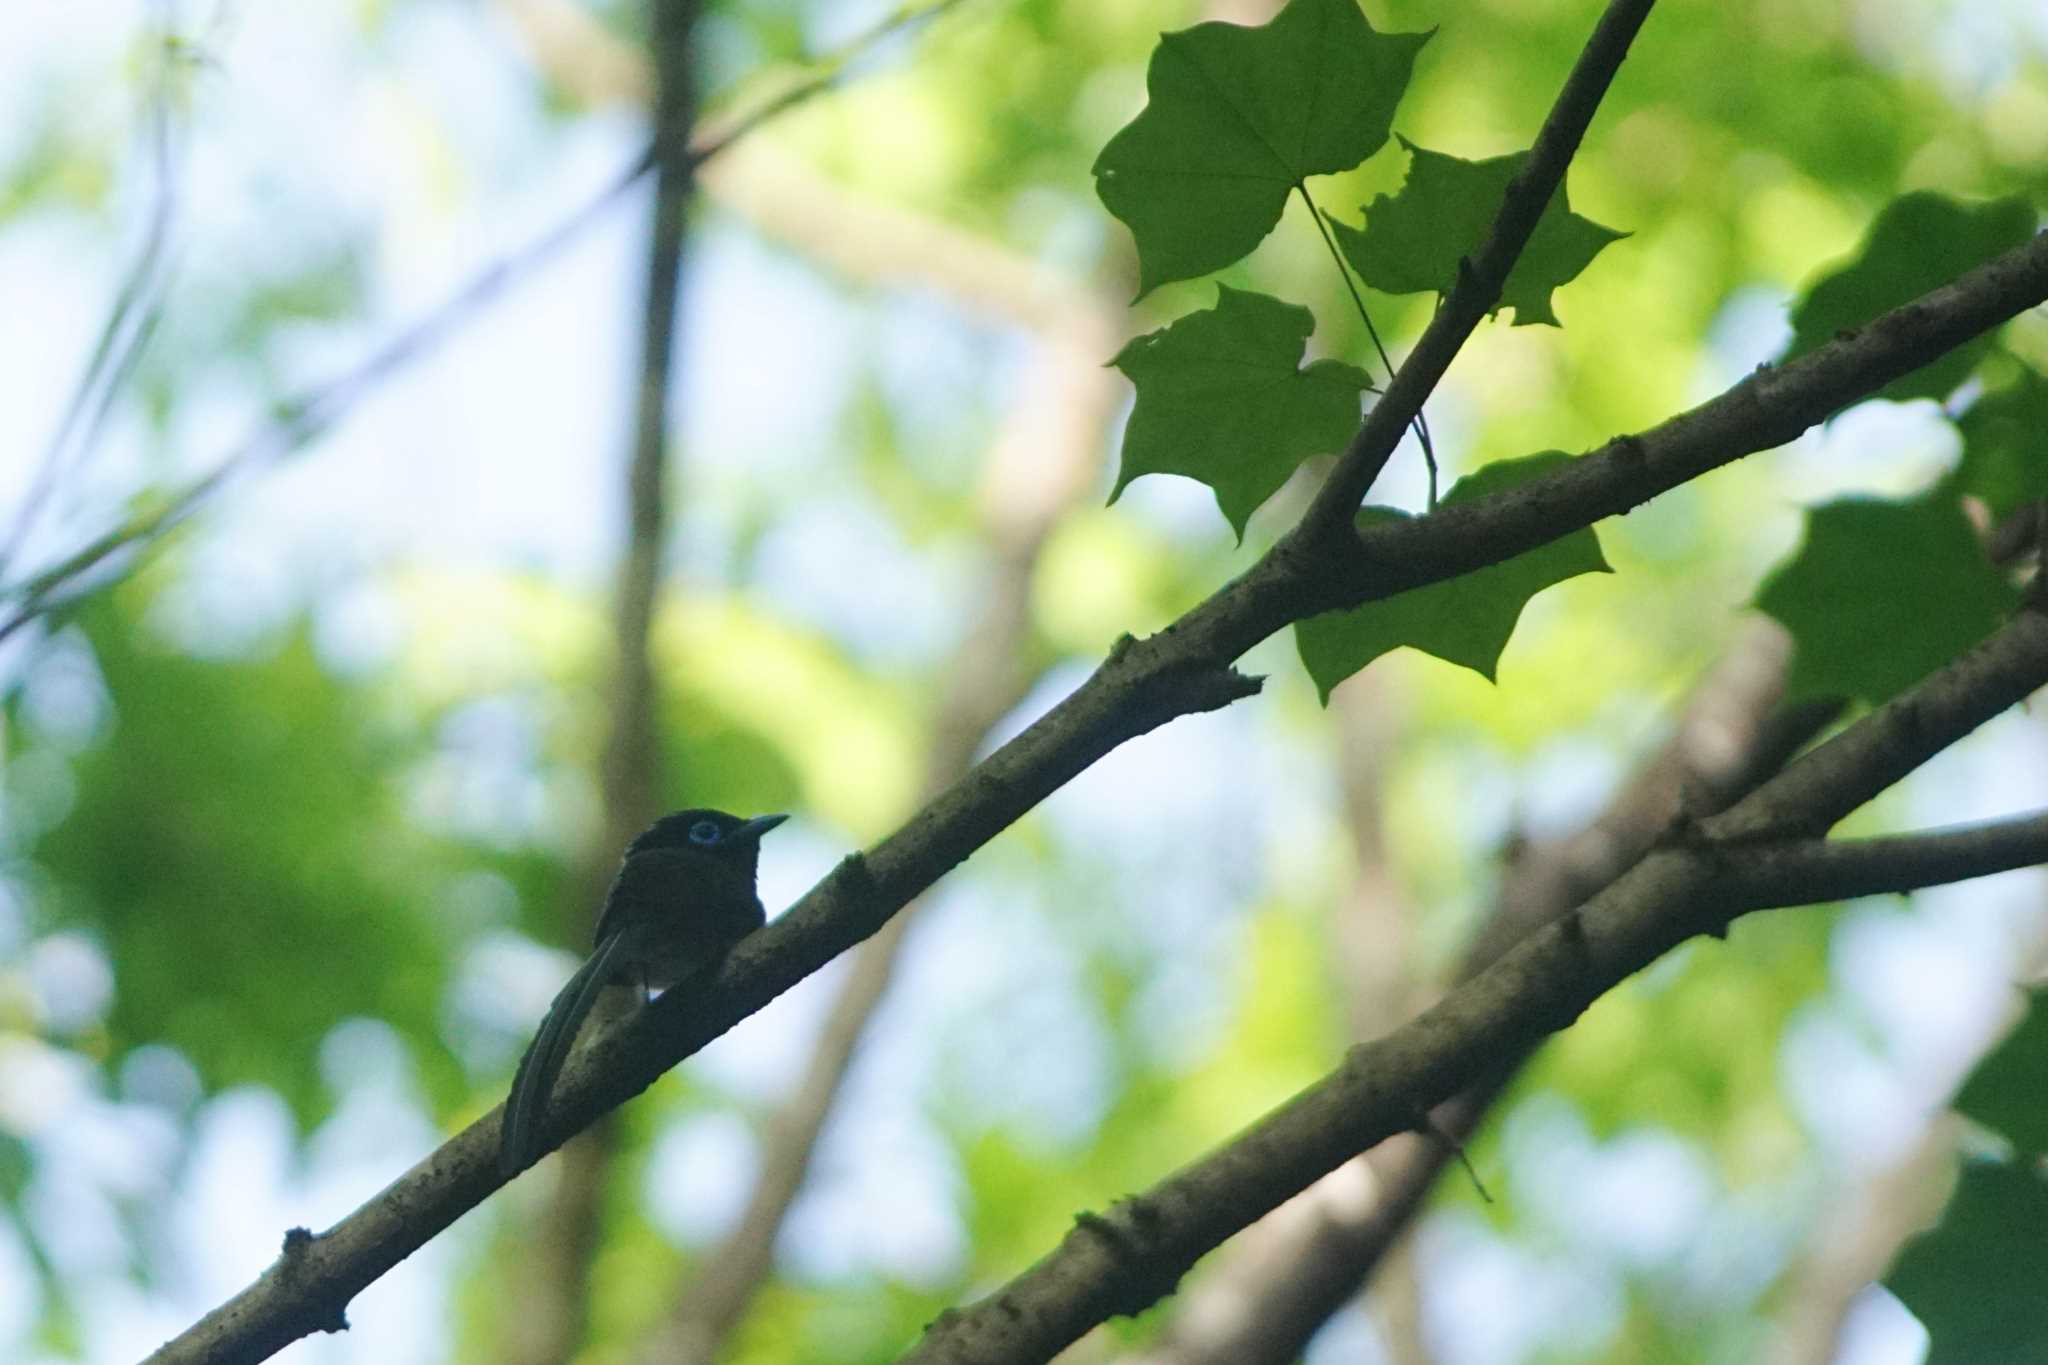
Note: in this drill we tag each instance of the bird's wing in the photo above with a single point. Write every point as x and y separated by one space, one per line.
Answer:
519 1134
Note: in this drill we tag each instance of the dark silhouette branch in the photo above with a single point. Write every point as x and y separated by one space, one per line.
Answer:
1266 1303
1322 1250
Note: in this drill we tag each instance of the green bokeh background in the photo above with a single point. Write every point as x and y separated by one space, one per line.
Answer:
291 837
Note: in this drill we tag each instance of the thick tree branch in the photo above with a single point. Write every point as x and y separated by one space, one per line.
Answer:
1267 1302
1280 1280
1123 1261
1767 409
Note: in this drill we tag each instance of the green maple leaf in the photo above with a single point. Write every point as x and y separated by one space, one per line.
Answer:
1412 241
2004 1092
1881 594
1465 620
1918 242
1235 118
1976 1281
1222 398
2005 445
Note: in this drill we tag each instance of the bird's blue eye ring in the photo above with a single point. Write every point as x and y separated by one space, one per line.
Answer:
706 832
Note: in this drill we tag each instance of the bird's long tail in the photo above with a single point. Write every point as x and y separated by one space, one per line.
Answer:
519 1135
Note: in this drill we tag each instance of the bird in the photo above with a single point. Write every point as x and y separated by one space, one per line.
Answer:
683 897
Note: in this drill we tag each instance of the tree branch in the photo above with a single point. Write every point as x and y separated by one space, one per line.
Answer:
1263 1305
1122 1261
1768 408
1812 871
1143 684
1724 746
1270 1300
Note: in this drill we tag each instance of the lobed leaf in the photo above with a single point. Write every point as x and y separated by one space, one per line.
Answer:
1465 620
1412 241
1235 118
1222 398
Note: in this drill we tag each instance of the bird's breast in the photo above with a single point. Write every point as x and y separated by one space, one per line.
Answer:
680 910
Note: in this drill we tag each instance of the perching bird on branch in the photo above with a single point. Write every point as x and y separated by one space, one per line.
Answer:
683 897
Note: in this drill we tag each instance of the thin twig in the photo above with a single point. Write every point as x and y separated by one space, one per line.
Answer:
129 324
1421 422
313 410
1809 871
821 74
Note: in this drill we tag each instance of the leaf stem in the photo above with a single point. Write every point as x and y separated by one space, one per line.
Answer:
1358 300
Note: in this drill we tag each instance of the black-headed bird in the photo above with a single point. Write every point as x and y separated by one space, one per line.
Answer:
683 897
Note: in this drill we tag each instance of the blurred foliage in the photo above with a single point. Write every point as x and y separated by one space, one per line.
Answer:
2004 1092
2000 464
229 838
1975 1281
1881 594
232 845
1918 242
